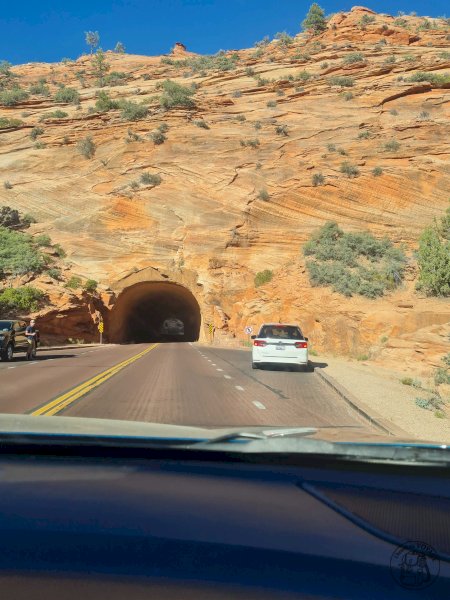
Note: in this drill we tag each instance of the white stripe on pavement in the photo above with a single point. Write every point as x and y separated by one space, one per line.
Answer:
259 405
238 387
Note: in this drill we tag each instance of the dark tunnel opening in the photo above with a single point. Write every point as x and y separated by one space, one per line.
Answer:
155 312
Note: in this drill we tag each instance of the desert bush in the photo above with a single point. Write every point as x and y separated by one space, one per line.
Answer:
237 94
264 195
7 123
377 171
364 135
67 95
56 114
342 81
434 258
40 88
284 39
241 118
353 57
263 277
115 78
12 97
40 145
324 65
90 285
74 283
54 273
331 147
19 255
250 71
42 241
35 132
253 143
175 95
366 20
86 147
157 137
201 123
303 76
437 79
104 103
150 179
23 299
131 111
282 130
318 179
257 125
424 115
353 263
271 104
389 60
349 169
391 146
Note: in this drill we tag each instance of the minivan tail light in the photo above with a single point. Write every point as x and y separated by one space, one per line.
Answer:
301 344
259 343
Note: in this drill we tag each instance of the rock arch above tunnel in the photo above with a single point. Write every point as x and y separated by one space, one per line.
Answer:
141 310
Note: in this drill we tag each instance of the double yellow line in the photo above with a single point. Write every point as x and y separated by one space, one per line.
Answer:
58 404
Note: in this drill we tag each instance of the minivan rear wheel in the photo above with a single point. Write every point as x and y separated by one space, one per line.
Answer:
8 354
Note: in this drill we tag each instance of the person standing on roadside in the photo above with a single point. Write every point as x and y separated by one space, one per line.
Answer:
30 333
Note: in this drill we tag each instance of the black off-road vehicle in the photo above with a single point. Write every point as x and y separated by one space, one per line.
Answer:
13 338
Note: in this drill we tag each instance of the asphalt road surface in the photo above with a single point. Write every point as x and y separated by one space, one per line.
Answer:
183 384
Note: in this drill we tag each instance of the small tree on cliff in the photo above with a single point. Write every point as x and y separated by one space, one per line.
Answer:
434 258
119 48
92 39
315 19
100 66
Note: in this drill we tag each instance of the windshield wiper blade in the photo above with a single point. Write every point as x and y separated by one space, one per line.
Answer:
251 436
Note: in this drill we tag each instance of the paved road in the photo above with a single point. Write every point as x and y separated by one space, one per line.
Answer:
186 384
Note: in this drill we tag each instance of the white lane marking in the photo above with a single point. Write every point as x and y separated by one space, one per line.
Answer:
214 364
259 405
219 369
227 377
11 367
209 360
238 387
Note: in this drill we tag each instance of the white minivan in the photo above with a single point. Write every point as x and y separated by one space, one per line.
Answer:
281 344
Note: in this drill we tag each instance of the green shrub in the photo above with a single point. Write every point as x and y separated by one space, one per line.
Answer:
342 81
115 78
263 277
436 79
24 299
86 147
104 103
366 20
43 241
377 171
284 39
74 283
7 185
303 76
434 258
392 146
40 89
324 65
271 104
175 95
424 115
18 254
67 95
250 71
56 114
353 57
150 179
364 135
347 96
54 273
12 97
318 179
349 169
90 285
157 137
131 111
362 357
163 127
241 118
407 380
40 145
35 132
7 123
331 147
59 251
257 125
201 123
282 130
11 218
353 263
389 60
250 143
237 94
264 195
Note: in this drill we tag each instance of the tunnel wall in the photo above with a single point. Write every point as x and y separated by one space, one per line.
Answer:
141 308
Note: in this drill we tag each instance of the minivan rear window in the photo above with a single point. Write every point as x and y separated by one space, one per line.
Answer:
5 325
281 331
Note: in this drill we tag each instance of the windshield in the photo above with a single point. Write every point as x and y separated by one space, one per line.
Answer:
209 243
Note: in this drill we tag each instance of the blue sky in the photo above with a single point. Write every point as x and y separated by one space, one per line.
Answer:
47 30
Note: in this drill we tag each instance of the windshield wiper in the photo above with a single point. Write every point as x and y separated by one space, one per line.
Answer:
249 436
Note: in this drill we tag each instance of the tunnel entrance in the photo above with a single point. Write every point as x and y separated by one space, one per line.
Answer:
155 312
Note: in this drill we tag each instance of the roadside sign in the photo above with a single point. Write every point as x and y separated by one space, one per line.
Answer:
101 327
248 330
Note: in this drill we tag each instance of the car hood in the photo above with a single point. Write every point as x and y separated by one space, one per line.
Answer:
27 425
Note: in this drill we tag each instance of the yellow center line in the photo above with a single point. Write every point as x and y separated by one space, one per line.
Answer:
61 402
